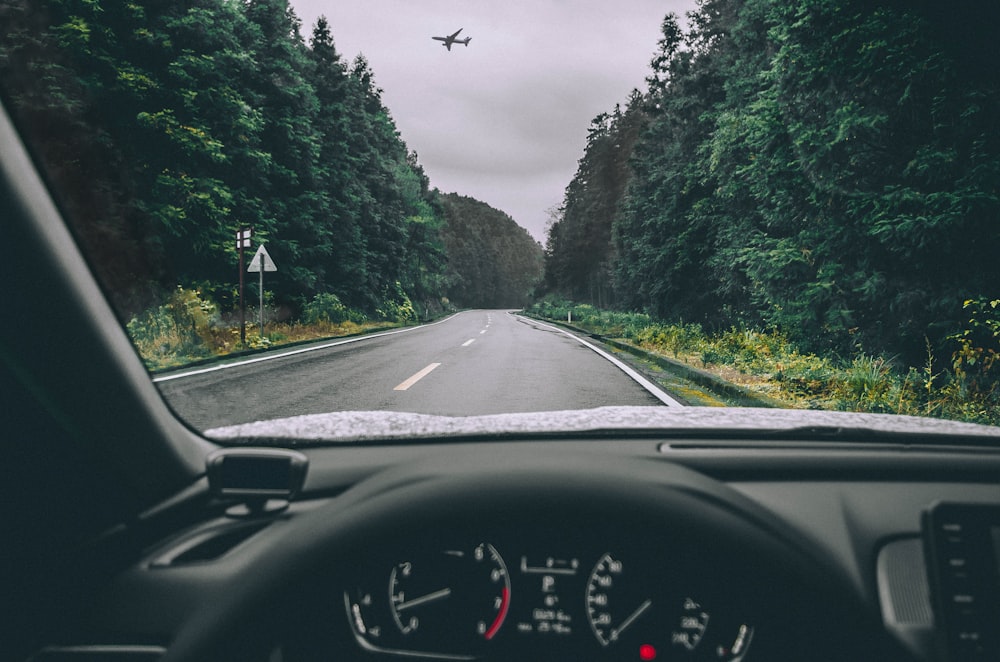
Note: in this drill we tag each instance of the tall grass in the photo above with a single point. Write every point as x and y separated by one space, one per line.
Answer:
767 362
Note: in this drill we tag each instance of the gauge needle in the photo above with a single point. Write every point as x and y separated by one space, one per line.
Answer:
423 599
631 619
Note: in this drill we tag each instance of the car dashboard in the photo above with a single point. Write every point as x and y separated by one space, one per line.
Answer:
623 549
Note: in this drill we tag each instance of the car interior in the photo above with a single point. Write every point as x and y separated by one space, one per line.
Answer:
130 536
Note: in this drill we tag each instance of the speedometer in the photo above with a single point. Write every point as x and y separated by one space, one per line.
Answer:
610 610
649 612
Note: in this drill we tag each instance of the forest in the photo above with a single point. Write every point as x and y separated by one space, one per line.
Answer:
826 169
165 127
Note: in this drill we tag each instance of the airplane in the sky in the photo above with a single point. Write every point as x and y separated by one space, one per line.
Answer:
453 39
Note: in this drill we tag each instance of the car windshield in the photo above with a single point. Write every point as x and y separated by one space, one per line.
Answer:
318 218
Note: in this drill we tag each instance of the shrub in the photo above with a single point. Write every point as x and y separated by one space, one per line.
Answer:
181 327
397 307
325 307
867 385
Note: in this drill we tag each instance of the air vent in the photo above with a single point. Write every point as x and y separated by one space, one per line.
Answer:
904 594
903 588
111 653
207 545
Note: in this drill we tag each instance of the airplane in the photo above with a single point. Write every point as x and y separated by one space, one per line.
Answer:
453 39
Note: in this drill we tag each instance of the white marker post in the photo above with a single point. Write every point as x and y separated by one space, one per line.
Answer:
243 241
260 263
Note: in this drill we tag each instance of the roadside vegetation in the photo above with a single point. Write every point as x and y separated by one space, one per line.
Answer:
802 199
189 327
966 387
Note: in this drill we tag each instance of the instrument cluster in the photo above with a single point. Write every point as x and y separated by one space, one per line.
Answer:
482 599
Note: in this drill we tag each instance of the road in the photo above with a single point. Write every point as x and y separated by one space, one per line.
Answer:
475 362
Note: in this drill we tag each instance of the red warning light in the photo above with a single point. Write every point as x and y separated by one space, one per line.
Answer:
647 652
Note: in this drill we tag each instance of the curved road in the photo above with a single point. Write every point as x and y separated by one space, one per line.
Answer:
475 362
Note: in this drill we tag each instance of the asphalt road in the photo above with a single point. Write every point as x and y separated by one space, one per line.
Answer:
475 362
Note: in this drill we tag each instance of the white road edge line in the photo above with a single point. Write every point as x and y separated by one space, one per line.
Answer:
416 378
468 342
283 355
642 381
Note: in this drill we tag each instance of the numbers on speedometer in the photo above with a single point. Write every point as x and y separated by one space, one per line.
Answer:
611 611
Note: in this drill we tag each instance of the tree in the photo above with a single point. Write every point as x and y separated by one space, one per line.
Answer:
493 262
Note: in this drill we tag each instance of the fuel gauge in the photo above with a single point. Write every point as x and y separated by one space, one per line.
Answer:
736 648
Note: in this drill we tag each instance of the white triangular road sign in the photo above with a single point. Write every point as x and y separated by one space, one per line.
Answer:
261 257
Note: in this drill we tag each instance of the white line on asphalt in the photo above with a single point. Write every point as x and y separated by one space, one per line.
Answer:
416 378
482 332
468 342
283 355
642 381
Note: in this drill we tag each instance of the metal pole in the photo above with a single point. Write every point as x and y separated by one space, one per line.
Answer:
262 299
243 307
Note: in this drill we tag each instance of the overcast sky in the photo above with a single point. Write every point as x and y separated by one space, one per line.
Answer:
505 119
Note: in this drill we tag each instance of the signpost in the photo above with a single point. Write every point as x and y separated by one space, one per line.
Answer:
260 263
242 241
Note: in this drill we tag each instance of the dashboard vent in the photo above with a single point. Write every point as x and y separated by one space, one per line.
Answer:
207 545
903 583
904 594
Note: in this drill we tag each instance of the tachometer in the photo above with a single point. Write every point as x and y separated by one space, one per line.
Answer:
452 595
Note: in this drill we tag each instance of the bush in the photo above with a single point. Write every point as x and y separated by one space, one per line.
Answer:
677 339
397 307
325 308
975 379
183 327
868 384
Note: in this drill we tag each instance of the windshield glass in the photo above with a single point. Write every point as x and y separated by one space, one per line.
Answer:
479 209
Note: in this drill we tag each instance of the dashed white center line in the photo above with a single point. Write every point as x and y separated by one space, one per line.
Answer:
482 332
416 378
468 342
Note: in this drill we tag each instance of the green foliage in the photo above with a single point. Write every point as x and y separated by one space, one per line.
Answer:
397 307
578 253
177 331
328 308
976 361
168 127
492 261
865 385
815 167
979 343
774 365
674 339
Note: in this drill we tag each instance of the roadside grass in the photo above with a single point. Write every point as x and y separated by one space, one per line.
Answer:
768 364
187 328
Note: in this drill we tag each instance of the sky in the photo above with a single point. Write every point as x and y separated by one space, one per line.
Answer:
503 120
